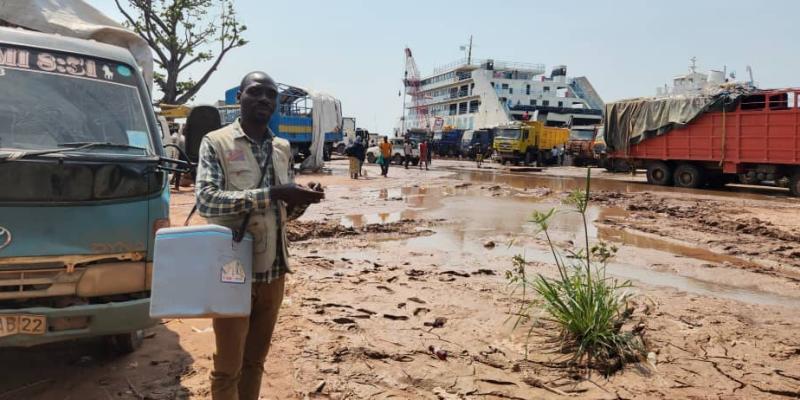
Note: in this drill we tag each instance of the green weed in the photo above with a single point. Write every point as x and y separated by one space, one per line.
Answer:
589 308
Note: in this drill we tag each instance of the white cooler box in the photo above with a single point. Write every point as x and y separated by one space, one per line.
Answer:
200 272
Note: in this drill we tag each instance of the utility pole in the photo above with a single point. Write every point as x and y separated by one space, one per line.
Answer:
469 55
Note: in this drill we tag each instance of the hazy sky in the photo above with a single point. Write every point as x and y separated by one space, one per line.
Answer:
354 49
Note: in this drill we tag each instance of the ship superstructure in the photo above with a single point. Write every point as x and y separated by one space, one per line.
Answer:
475 94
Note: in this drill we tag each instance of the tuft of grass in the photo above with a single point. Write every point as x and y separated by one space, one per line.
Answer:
589 307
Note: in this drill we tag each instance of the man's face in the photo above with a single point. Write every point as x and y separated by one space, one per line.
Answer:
258 99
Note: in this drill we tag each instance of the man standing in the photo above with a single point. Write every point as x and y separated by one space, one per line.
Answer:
244 169
408 151
386 153
423 154
430 153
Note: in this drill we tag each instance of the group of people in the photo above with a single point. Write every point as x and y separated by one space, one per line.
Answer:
357 152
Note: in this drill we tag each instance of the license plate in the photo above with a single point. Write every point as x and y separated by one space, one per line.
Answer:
26 324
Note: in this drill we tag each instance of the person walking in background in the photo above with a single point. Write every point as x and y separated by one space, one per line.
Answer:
430 153
554 155
408 152
478 155
386 153
561 152
355 152
362 157
423 154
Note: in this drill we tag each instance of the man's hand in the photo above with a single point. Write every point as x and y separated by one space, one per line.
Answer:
295 195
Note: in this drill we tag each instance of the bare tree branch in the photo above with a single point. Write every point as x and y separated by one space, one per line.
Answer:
183 33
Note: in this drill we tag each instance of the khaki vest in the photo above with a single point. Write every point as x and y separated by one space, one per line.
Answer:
241 173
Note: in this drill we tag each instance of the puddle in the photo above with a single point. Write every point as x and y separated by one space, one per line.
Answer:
361 220
472 216
472 219
567 183
649 242
466 250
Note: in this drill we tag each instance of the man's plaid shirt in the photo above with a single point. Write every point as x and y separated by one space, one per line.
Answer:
214 201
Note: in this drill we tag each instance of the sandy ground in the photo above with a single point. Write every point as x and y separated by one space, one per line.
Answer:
385 269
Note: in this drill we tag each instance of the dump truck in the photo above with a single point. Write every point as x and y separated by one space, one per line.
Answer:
528 142
747 135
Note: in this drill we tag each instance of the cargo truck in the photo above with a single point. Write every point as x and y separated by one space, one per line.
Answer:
448 144
477 142
528 142
292 120
753 138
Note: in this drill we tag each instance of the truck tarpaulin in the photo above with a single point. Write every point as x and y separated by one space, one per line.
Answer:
631 121
76 18
326 117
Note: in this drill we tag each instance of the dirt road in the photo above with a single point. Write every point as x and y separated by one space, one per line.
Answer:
385 269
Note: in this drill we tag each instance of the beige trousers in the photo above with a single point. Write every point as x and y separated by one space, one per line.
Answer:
243 344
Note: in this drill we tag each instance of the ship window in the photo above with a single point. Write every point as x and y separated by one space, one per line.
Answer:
510 90
527 89
505 86
492 83
561 104
533 102
545 103
546 89
473 106
453 109
753 102
462 108
779 101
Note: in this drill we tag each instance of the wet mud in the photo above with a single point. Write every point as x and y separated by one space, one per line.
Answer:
398 291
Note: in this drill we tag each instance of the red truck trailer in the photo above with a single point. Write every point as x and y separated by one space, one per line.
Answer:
754 139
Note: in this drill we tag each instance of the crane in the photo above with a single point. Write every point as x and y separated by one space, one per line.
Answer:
412 83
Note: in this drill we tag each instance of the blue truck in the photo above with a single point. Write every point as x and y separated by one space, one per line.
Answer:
448 143
85 189
476 142
292 120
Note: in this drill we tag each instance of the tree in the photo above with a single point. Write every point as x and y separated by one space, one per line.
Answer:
183 33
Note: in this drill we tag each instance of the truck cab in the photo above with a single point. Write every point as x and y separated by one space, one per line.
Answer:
477 142
580 146
84 191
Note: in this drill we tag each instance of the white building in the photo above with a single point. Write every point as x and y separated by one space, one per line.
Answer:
489 93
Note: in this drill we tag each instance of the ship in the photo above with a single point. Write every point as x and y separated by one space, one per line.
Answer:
478 94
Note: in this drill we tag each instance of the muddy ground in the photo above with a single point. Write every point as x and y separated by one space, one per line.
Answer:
385 269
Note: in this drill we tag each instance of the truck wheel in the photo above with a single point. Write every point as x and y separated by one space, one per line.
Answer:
794 184
371 158
126 343
689 176
528 158
659 173
340 148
